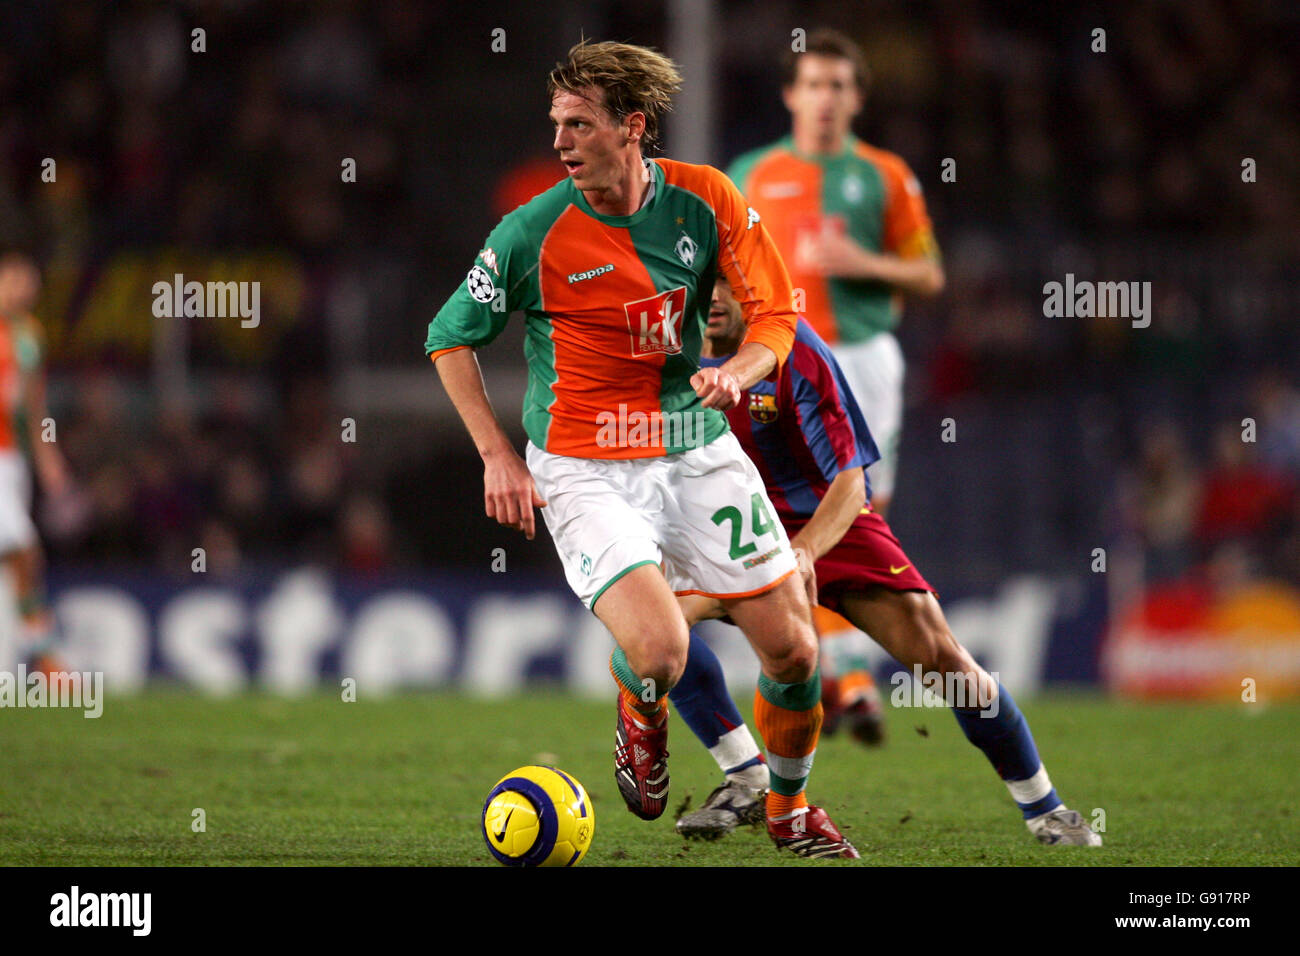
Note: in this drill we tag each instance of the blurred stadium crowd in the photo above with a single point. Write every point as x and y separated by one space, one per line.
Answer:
1072 433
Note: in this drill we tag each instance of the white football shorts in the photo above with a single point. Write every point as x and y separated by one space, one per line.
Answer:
16 528
874 370
702 516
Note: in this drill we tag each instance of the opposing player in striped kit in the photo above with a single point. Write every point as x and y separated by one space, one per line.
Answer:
811 445
646 493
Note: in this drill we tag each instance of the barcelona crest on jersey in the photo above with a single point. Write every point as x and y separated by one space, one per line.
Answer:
762 408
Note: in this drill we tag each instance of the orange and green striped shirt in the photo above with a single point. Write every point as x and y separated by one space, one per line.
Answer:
615 306
20 355
868 194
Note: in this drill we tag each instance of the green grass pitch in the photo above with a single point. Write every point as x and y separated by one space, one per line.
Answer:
318 781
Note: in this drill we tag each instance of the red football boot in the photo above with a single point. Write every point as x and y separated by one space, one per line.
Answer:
641 763
811 834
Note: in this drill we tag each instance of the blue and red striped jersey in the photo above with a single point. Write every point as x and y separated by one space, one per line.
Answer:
804 428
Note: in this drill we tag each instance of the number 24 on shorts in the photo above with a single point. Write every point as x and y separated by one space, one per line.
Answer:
761 519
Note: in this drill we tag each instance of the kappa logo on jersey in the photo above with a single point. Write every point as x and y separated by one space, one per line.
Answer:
762 408
686 249
480 285
753 218
490 260
655 324
590 273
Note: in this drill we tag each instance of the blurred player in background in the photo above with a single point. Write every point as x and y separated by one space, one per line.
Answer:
613 269
22 420
852 228
810 443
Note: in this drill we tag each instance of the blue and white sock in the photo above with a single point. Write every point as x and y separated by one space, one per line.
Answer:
1002 732
702 701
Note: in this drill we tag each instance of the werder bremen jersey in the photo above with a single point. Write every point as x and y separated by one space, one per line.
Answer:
20 353
867 193
615 309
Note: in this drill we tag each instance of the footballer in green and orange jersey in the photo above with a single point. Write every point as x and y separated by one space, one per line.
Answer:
24 418
646 493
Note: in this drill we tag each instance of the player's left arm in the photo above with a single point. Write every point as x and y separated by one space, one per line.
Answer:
761 284
910 261
923 277
835 514
48 462
838 439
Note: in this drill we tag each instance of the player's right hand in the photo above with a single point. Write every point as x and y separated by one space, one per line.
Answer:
509 494
716 388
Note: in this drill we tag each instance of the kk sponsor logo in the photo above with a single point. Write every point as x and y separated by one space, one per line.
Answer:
655 324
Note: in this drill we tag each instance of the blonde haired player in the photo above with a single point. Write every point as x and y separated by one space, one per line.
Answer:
645 492
23 409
